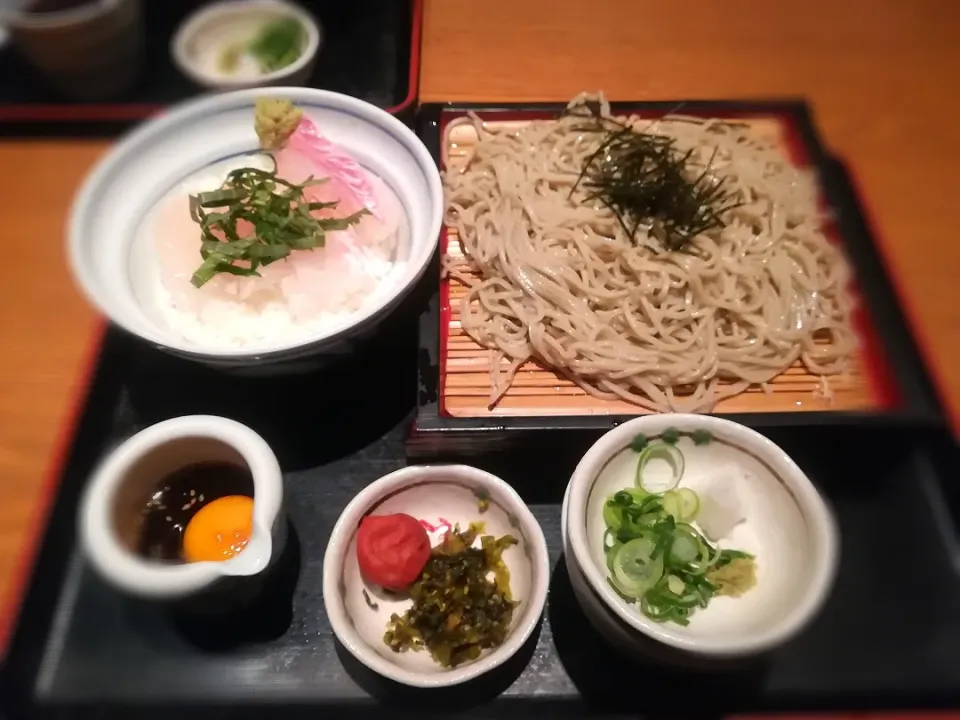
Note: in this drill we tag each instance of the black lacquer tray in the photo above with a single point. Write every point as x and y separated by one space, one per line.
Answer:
890 362
887 637
371 50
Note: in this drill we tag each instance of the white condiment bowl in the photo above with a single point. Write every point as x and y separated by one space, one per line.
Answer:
204 34
442 495
124 482
787 526
111 249
617 633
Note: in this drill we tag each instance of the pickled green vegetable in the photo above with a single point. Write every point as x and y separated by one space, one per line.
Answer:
458 609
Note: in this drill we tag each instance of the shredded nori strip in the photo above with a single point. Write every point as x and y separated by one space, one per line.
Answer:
644 179
280 216
458 612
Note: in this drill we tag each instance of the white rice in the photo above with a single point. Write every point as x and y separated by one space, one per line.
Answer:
343 278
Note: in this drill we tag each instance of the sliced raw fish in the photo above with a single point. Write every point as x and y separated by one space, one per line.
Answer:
306 289
309 154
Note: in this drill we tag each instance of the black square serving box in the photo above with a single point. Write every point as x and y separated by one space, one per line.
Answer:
913 400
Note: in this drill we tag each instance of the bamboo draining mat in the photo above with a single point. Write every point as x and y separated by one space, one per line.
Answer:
538 391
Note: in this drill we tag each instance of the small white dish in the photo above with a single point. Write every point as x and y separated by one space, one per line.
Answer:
200 40
788 528
616 633
443 496
109 240
124 482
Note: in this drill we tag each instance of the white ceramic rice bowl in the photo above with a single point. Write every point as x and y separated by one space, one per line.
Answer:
107 244
788 527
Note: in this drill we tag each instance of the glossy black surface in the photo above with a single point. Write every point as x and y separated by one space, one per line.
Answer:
178 498
887 637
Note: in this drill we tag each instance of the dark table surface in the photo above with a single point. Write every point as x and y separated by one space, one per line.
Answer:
886 638
366 53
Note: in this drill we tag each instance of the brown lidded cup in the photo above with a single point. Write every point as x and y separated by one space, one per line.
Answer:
86 49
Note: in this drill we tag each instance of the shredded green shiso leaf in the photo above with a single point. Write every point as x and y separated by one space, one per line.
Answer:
278 212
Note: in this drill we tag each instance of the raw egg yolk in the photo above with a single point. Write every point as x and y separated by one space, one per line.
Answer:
219 530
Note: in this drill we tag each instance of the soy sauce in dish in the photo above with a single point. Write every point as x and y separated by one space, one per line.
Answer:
179 497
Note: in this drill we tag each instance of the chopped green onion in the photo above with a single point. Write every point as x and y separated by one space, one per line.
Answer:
612 516
638 443
685 548
660 451
671 503
688 504
676 585
635 568
655 556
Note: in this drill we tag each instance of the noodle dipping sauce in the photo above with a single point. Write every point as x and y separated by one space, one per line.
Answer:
183 506
413 544
198 513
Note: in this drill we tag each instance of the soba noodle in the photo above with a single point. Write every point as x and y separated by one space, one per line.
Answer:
561 282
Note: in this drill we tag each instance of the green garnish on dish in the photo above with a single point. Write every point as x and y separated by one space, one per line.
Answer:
646 181
655 555
278 217
278 44
462 603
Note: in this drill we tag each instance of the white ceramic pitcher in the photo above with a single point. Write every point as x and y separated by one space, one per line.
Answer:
132 471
